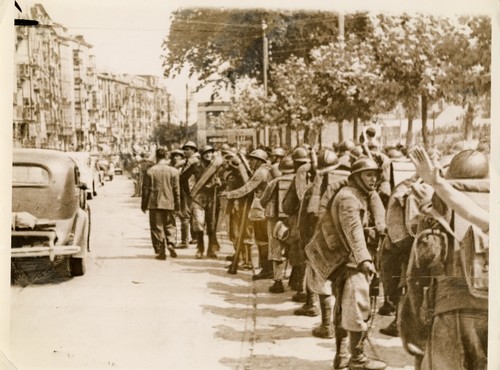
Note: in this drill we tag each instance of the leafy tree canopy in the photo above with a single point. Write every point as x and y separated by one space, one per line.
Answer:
228 43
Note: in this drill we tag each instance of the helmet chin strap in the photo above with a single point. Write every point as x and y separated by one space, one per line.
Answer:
361 184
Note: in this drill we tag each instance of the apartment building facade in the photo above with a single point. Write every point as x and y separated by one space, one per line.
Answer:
62 100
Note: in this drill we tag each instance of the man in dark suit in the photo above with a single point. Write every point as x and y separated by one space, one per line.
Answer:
161 196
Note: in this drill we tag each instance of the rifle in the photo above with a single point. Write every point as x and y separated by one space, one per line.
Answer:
233 269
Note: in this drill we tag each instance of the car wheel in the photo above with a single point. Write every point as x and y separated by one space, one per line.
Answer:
89 226
76 266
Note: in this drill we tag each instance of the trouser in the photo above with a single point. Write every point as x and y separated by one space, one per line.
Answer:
458 341
204 216
262 241
162 225
352 304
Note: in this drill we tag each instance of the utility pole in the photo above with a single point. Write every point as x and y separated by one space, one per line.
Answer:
265 62
341 39
187 113
265 55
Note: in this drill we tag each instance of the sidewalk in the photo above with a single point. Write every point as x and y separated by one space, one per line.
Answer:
274 338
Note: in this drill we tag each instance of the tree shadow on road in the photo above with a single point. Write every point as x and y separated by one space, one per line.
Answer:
277 363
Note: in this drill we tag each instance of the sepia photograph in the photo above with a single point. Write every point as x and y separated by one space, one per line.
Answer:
249 185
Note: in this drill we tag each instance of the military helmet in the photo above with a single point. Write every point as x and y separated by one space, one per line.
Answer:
301 154
346 145
235 162
394 153
364 164
326 158
278 152
286 165
224 148
258 154
190 144
468 164
177 152
206 149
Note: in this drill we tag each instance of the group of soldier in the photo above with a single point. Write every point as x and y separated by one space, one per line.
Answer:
341 220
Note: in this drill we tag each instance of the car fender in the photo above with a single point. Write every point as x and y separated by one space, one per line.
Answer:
81 232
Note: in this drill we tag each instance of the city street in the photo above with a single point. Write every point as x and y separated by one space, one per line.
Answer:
130 311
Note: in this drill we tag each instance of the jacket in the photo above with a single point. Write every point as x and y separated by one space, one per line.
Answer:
339 238
254 186
270 197
161 189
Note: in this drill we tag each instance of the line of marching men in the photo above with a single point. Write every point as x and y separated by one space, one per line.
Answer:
341 219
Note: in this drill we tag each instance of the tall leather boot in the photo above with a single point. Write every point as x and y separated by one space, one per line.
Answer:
360 361
246 257
325 329
342 354
301 295
266 272
200 245
184 234
309 308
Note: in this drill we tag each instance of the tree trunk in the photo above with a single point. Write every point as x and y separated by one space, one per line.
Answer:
307 139
409 133
341 131
425 130
288 136
355 128
469 119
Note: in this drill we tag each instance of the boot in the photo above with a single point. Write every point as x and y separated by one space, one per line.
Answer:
360 361
342 355
325 330
387 309
277 287
246 257
161 252
171 250
391 329
184 236
200 246
309 308
266 272
296 281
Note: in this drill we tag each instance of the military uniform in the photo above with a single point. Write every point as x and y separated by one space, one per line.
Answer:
254 188
270 200
204 201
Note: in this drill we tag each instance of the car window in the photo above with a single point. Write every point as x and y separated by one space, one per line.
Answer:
29 175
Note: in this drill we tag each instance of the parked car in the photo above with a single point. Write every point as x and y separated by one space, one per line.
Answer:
88 175
51 216
116 160
107 168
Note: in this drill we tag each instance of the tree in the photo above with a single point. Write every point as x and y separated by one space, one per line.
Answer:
229 42
167 135
468 76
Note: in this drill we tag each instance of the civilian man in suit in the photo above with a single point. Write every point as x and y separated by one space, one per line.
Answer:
161 195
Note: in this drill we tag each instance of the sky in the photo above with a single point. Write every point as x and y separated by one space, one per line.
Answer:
127 34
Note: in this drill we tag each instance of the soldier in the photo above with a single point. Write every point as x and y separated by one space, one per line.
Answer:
291 204
234 176
342 249
276 157
191 156
308 217
276 229
204 199
161 196
456 300
177 159
254 188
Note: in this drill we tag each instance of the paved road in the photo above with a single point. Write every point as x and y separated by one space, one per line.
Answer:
131 311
